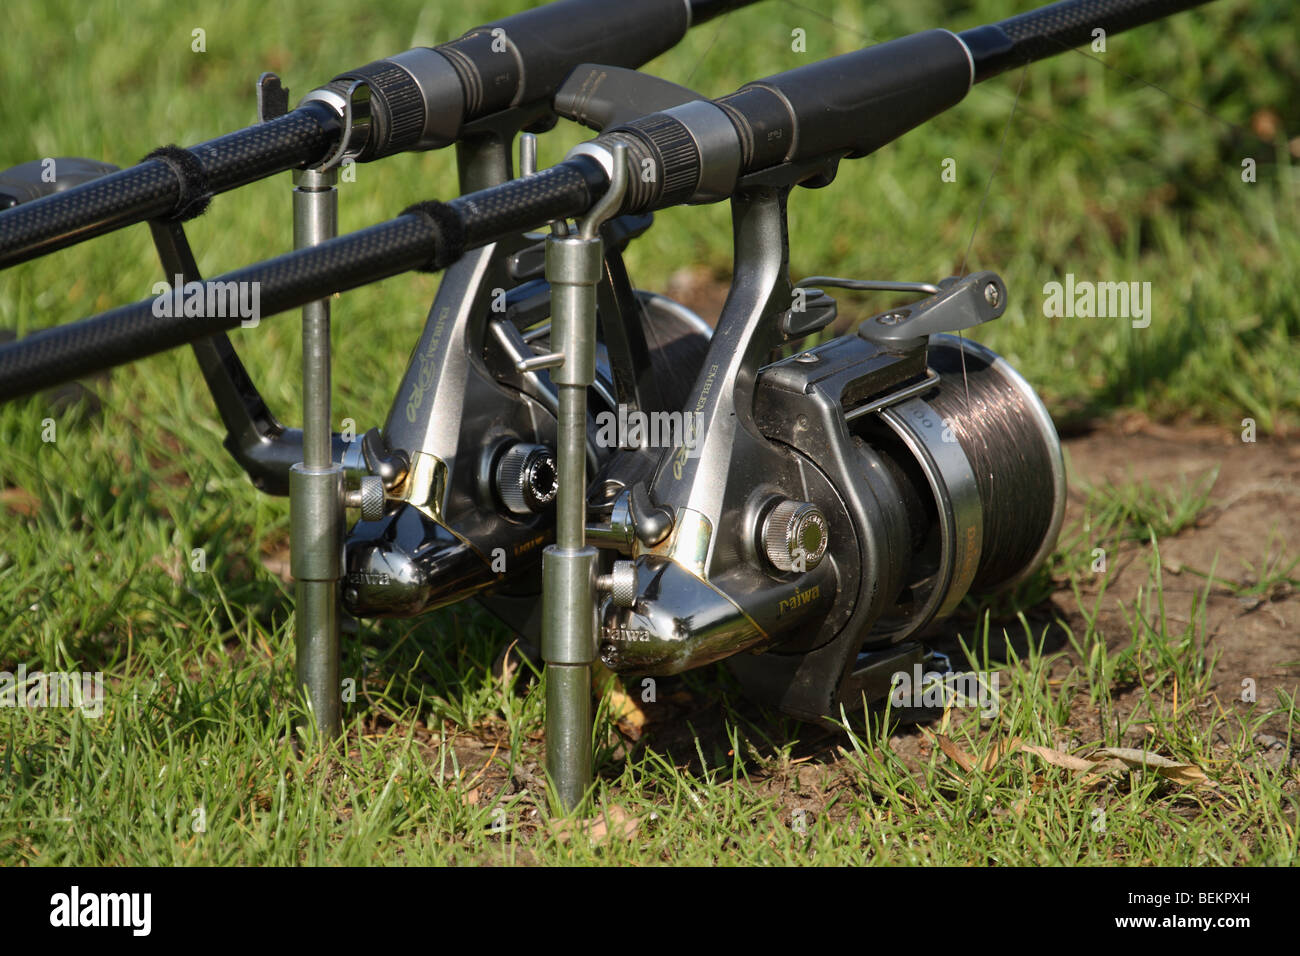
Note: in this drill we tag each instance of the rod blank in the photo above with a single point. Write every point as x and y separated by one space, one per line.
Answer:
430 236
153 188
1058 27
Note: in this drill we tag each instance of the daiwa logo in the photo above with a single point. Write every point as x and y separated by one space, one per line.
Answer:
76 909
209 300
428 368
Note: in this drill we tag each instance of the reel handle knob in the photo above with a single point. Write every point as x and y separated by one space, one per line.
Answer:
527 478
620 583
368 496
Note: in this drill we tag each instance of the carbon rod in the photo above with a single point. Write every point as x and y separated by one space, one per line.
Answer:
826 110
154 189
1050 30
429 236
418 100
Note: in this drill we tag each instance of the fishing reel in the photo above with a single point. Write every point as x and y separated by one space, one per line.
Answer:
837 501
473 429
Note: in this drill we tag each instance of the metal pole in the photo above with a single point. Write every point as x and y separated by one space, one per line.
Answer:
573 268
316 484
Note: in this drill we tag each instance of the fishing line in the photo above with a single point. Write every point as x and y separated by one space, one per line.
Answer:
1009 453
979 213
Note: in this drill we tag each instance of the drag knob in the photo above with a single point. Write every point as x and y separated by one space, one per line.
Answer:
527 478
794 536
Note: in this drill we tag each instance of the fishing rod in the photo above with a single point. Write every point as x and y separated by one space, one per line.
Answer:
801 122
422 99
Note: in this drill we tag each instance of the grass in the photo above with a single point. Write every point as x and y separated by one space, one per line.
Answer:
133 546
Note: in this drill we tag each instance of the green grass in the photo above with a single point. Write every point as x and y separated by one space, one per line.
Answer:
1101 176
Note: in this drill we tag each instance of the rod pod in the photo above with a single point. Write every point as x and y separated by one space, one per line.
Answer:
573 269
316 483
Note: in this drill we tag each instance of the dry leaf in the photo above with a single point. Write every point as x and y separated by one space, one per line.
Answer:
1000 750
471 798
961 757
20 501
965 760
1103 765
1058 759
614 823
1094 767
1171 769
623 708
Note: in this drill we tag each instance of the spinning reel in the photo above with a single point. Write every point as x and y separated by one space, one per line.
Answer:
841 499
456 494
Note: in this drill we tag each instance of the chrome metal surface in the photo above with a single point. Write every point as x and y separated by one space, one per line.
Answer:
794 536
527 479
620 583
527 154
368 497
867 285
957 500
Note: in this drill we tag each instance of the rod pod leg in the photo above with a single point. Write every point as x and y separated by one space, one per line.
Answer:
573 268
316 483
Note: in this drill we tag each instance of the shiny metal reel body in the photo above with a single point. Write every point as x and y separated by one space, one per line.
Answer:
470 400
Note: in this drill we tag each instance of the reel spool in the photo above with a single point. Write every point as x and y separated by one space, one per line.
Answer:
966 467
979 469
